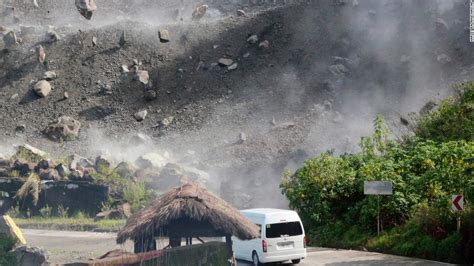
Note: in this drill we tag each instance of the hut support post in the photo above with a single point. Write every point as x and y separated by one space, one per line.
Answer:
230 253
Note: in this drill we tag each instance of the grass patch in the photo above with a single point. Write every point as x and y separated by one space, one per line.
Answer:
6 245
77 223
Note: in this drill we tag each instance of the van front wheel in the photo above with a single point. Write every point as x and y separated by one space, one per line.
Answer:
255 260
295 261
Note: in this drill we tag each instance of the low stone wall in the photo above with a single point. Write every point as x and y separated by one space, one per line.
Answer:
73 195
212 253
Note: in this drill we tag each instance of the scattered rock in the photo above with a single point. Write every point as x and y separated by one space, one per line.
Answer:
44 164
355 3
64 128
242 138
286 125
52 36
199 12
27 256
49 174
430 105
76 175
125 170
232 67
265 44
24 167
338 69
141 115
164 36
20 129
443 58
106 89
404 121
65 95
166 122
125 69
247 54
225 62
78 162
30 153
10 39
240 13
150 160
252 39
441 25
150 95
103 162
63 171
372 14
42 88
94 41
41 54
49 75
142 76
86 8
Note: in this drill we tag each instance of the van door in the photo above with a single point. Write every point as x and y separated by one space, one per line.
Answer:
284 237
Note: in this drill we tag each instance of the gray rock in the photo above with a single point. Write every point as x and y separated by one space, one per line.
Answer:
49 75
125 170
264 45
76 175
164 35
141 115
94 41
338 69
103 162
31 256
139 139
63 171
86 8
240 13
30 153
10 39
441 25
443 59
232 67
41 54
150 95
52 36
49 174
64 128
142 76
150 160
199 12
42 88
166 121
242 138
78 162
225 62
252 39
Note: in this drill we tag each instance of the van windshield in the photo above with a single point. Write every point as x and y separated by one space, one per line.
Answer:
283 229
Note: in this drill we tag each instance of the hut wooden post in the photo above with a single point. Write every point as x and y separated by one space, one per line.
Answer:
230 253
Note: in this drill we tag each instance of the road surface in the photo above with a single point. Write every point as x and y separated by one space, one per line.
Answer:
67 246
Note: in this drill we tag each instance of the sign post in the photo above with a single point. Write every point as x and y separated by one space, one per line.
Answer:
378 188
457 205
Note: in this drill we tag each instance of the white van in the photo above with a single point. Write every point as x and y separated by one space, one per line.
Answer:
282 237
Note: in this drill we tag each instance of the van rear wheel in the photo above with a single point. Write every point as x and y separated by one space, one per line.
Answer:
255 260
295 261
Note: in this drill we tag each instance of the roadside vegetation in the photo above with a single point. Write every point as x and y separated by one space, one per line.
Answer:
425 169
6 245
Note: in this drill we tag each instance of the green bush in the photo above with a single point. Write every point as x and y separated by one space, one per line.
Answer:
6 245
327 192
453 120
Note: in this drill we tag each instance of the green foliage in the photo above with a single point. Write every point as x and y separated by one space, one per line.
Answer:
6 245
453 120
46 211
327 192
136 195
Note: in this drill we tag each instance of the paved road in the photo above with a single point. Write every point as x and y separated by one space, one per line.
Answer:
67 246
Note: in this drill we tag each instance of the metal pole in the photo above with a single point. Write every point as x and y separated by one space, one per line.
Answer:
378 215
458 220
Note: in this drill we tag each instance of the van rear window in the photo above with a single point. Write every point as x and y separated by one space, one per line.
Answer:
283 229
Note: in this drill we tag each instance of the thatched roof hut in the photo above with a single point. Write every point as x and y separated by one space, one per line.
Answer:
188 211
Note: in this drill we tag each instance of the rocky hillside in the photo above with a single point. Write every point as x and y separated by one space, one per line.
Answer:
244 92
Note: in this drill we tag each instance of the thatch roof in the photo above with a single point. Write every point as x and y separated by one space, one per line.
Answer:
189 210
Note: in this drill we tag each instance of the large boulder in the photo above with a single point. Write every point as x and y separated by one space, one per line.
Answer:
150 160
86 8
31 256
30 153
125 170
103 162
64 128
23 167
78 162
200 11
42 88
173 175
49 174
